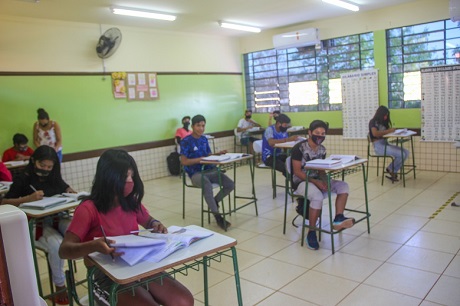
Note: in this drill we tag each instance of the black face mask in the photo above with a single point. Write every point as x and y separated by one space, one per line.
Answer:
186 125
41 172
318 139
248 117
283 128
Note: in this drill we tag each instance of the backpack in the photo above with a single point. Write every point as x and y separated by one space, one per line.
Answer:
173 161
299 207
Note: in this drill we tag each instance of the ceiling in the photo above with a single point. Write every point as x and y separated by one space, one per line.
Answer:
196 16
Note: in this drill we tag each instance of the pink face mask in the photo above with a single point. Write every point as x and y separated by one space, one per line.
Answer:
129 186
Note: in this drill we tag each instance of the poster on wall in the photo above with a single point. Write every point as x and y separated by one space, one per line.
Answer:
440 105
119 85
360 100
142 86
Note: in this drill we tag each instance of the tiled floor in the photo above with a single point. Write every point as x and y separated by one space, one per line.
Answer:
407 259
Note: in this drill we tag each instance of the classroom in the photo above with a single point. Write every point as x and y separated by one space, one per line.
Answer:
411 255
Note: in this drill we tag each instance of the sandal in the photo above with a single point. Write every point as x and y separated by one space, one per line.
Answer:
393 176
60 298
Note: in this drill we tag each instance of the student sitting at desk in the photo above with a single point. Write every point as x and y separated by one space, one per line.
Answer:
193 149
42 177
379 126
317 188
244 125
19 150
276 133
116 195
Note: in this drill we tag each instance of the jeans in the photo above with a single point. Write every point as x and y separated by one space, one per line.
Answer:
392 150
209 178
51 240
280 163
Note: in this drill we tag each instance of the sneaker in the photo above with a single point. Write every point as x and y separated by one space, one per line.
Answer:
220 221
312 241
340 222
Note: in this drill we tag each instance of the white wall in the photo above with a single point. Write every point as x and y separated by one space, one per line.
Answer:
54 46
416 12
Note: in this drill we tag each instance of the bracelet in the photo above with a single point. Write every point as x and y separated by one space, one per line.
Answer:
153 221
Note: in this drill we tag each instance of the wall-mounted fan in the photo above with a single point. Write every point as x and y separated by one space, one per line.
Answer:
108 43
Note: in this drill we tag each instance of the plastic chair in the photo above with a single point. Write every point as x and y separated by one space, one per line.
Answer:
257 146
369 154
237 142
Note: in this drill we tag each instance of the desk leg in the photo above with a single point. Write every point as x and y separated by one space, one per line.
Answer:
252 170
34 255
403 170
205 280
331 225
237 277
412 153
384 162
366 199
89 278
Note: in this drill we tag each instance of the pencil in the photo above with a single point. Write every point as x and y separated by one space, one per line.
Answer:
33 188
106 241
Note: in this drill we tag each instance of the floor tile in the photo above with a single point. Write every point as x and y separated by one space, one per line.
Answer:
366 295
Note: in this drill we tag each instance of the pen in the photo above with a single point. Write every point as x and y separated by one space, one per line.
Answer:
33 188
105 238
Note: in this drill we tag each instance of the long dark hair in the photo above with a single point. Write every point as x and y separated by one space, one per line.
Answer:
45 152
380 113
109 182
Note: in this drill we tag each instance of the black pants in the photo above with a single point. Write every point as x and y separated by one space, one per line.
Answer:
280 163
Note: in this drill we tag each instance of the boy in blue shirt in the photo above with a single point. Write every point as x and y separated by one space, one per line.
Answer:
276 133
193 148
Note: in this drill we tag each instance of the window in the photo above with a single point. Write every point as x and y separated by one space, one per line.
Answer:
305 78
413 47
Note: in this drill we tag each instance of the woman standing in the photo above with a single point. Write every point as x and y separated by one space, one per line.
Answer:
47 132
379 126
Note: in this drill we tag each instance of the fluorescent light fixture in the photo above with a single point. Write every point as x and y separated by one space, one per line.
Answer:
343 4
238 27
141 13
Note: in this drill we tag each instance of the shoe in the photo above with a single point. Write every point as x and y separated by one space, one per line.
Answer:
312 241
340 222
60 300
220 221
393 176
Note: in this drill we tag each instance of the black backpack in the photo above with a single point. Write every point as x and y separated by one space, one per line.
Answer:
173 161
299 207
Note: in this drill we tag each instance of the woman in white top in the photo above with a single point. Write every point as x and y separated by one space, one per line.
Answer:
47 132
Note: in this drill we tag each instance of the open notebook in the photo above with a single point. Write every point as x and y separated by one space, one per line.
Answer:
154 247
223 157
332 160
46 203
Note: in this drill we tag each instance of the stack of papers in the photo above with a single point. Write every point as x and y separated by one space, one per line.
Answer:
224 157
254 129
46 203
295 128
16 163
333 160
154 247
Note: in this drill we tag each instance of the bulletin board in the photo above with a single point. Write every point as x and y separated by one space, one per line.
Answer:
360 100
440 105
142 86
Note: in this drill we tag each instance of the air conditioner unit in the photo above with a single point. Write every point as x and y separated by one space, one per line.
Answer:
300 38
454 9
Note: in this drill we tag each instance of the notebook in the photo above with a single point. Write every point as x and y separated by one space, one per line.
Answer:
46 203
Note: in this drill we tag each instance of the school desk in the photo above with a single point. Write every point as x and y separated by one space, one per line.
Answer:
337 170
199 254
400 138
251 198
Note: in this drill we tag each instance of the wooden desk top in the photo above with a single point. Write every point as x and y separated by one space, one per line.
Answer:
121 273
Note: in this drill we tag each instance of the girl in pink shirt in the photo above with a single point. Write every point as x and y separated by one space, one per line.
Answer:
115 205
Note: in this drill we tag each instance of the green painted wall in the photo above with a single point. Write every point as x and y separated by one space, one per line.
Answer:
91 118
